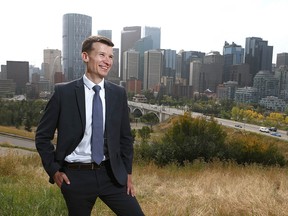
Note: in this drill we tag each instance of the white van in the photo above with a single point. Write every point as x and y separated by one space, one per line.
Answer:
264 129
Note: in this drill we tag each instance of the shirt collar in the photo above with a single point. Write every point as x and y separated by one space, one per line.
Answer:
90 84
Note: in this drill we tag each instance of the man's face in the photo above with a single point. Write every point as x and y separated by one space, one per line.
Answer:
99 60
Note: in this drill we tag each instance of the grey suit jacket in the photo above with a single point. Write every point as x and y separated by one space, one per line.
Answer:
65 113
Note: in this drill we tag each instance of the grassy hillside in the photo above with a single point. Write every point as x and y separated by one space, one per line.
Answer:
200 189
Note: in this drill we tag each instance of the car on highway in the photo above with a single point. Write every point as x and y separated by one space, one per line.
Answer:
238 126
274 129
264 129
275 134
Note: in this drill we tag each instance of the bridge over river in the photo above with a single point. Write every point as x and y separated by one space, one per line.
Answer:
162 112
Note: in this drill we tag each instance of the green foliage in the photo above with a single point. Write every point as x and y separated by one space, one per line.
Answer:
189 139
27 200
145 133
144 152
149 118
133 132
252 149
23 195
19 113
150 96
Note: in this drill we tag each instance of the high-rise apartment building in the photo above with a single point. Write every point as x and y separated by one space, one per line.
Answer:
240 74
258 55
266 84
178 67
32 70
187 57
169 63
105 33
197 76
7 88
76 28
18 71
233 55
282 59
213 68
142 45
206 74
282 74
153 64
248 95
155 34
130 65
129 36
3 72
226 91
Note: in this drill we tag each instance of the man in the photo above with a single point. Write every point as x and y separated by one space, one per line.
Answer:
72 165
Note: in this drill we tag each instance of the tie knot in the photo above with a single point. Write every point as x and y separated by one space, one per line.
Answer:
96 88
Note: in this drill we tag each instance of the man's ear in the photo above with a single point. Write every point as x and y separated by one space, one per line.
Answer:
85 57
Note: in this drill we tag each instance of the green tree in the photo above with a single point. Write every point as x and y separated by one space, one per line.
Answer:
191 138
133 132
145 133
235 113
150 118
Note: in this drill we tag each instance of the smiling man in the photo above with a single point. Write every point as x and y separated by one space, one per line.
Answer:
94 150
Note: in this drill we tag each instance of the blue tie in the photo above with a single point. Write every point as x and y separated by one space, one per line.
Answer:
97 140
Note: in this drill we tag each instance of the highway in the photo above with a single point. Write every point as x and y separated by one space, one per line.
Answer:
28 143
224 122
249 127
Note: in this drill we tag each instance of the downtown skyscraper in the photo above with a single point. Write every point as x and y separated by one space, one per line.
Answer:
76 28
233 55
155 34
129 36
258 55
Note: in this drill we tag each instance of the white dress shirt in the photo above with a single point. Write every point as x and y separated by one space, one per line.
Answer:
82 153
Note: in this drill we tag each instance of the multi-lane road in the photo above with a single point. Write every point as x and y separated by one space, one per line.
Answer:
225 122
250 127
28 143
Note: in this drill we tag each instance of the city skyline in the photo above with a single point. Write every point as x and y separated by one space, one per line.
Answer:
188 25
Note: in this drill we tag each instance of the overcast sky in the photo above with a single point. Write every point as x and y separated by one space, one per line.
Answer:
28 27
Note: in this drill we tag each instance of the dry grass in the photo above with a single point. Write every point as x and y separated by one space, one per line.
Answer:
16 131
196 189
212 190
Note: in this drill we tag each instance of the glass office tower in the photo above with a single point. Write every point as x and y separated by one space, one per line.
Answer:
76 27
258 55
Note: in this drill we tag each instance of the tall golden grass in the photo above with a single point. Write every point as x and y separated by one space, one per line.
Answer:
198 189
17 131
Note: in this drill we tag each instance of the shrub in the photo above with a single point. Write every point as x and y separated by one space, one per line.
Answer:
252 149
188 139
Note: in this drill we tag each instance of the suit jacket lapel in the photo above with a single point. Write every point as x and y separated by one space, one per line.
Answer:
80 97
109 100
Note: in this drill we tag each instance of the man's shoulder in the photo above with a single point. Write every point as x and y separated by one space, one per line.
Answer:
111 85
69 84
